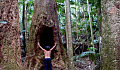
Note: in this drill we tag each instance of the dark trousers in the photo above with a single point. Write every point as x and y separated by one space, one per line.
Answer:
48 65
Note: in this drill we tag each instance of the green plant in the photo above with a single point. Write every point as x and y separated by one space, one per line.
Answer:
92 55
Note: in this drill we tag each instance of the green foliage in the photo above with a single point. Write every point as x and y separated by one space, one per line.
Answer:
83 54
60 1
29 9
92 55
92 48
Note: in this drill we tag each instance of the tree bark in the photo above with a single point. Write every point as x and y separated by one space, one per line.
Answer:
110 56
69 36
10 51
45 29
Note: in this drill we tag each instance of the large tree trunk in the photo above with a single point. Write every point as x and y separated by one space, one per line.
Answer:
10 51
110 51
44 29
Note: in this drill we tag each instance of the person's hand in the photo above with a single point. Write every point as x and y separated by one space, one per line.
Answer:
55 43
38 43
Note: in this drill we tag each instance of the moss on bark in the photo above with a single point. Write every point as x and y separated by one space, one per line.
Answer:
109 50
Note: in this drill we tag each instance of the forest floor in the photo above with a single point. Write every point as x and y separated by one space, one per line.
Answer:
84 64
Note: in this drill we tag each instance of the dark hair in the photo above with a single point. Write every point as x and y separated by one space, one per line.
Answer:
47 48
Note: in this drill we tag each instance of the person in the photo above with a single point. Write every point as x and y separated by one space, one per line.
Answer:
47 53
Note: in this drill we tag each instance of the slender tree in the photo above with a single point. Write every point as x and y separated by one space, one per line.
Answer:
44 29
9 36
99 23
69 35
26 33
92 37
110 51
23 23
76 19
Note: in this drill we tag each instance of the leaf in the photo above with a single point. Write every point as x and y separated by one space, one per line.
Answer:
92 48
96 41
86 53
61 1
23 31
3 22
74 14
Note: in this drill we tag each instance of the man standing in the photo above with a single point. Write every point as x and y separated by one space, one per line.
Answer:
47 53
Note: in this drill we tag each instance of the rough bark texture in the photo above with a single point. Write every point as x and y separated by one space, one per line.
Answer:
44 29
69 36
10 52
110 56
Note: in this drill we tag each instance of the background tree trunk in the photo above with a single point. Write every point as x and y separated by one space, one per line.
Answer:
76 19
69 36
92 36
44 29
110 51
23 24
10 51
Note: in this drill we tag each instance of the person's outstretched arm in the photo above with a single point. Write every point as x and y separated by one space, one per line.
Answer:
40 46
53 47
